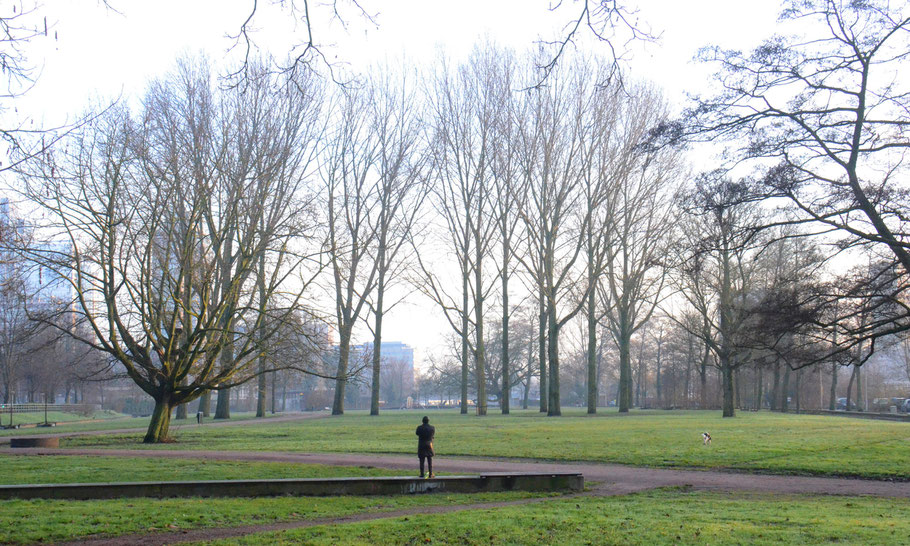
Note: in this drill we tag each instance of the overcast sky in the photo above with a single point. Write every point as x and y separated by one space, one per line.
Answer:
100 54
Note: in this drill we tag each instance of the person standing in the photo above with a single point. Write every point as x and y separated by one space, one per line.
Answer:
425 435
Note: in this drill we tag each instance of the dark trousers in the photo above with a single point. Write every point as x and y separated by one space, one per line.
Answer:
429 460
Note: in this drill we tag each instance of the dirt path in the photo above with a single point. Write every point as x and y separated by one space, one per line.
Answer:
603 479
176 427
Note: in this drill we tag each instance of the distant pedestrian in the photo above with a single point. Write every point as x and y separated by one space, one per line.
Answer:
425 434
199 417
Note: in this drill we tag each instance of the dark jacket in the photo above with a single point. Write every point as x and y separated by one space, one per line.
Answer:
425 435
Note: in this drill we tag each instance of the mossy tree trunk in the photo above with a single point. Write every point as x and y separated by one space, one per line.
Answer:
161 421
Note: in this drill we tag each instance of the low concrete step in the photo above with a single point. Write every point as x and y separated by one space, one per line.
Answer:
564 481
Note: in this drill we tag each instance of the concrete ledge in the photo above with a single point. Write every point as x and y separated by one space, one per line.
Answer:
565 481
49 441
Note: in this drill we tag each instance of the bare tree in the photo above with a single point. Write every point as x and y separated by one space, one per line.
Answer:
826 108
555 148
21 24
506 176
351 188
641 219
308 53
146 203
719 272
465 102
400 192
610 22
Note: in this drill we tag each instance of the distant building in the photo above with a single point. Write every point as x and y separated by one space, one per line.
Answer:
390 351
396 375
43 287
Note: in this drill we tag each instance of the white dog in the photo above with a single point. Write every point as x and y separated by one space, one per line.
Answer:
705 438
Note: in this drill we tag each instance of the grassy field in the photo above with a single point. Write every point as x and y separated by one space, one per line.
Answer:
58 417
103 421
31 521
761 441
657 517
751 441
16 470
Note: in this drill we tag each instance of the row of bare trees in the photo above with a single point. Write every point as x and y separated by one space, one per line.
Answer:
199 225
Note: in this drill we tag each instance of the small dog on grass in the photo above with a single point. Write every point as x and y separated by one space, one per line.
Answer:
705 438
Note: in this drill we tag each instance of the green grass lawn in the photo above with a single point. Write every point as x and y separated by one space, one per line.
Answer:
761 441
58 417
657 517
16 470
109 421
31 521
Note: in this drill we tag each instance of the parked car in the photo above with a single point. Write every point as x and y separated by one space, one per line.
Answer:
906 407
842 405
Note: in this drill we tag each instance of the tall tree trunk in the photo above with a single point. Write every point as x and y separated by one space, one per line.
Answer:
785 391
658 386
737 389
181 412
223 404
161 420
759 387
378 314
860 400
799 374
727 377
832 397
542 328
377 349
261 391
849 389
688 382
553 360
703 370
464 342
638 381
344 351
625 374
775 388
480 352
506 368
272 398
205 403
592 349
526 394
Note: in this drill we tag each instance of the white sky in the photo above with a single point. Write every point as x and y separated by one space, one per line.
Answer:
100 54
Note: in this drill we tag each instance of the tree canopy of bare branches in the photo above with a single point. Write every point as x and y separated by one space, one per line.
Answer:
166 214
